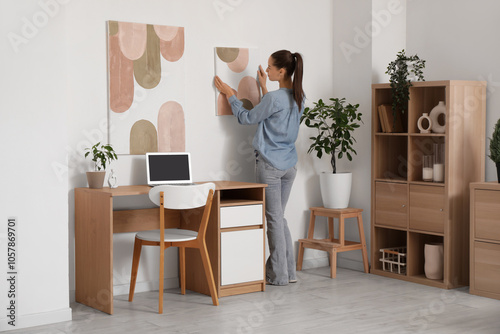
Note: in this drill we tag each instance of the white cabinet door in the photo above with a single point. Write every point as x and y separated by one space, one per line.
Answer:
242 256
242 215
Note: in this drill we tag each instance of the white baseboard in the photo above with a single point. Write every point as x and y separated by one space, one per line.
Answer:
37 319
342 262
123 289
316 262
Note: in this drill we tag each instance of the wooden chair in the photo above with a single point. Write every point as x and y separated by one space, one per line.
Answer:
177 198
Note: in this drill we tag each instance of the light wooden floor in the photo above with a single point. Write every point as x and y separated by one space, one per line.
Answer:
354 302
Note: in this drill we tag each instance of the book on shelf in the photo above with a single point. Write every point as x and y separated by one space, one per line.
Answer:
393 123
382 119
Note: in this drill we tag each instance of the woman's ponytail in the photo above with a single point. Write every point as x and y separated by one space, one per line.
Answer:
293 64
298 93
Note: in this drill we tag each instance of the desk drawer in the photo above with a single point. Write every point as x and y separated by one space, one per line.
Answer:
487 214
242 215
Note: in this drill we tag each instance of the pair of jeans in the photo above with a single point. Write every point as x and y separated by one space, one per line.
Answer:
280 265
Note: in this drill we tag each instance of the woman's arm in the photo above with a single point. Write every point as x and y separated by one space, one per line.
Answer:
259 113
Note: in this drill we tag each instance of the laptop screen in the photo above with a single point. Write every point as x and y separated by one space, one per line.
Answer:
166 168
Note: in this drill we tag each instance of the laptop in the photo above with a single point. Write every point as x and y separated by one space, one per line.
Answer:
169 168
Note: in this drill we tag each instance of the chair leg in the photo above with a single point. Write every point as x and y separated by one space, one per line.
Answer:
182 269
160 292
209 274
135 267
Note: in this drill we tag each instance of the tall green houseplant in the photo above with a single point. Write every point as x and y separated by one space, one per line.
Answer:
399 70
335 122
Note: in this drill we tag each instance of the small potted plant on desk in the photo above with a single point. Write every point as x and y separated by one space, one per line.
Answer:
101 155
495 148
335 122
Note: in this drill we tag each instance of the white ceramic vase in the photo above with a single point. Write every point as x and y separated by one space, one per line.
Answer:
433 267
436 112
335 189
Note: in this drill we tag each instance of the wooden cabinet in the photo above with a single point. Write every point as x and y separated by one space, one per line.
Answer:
485 239
235 241
408 212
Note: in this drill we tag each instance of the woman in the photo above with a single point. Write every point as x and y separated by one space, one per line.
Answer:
278 118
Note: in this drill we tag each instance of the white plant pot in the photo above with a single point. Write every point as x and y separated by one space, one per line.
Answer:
335 189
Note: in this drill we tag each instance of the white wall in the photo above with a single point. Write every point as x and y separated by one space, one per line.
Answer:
33 132
220 147
458 39
388 35
352 80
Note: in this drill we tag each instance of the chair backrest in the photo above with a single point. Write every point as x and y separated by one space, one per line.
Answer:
181 197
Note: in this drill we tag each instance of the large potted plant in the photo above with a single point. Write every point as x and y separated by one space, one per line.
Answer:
101 155
495 148
334 122
401 72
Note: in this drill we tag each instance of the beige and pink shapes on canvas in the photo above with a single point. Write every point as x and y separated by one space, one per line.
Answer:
171 128
248 89
166 33
223 106
121 78
171 49
241 62
143 137
147 69
235 58
227 55
133 38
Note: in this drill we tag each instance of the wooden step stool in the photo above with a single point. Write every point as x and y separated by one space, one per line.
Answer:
331 245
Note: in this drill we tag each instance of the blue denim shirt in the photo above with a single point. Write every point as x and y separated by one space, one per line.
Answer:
278 119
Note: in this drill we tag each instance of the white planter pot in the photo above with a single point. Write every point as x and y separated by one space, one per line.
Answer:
335 189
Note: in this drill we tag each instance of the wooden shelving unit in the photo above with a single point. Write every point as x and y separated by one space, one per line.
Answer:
408 212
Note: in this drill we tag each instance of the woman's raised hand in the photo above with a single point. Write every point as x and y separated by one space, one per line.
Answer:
262 80
223 87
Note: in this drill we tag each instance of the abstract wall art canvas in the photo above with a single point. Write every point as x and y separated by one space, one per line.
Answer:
238 68
145 88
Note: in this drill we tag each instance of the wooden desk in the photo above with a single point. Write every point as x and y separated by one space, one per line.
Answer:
95 223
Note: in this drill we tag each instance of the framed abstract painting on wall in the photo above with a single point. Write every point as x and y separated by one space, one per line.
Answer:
238 68
145 88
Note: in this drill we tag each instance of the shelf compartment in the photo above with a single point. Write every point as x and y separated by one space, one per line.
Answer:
386 238
420 146
393 260
230 197
423 100
391 160
416 260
